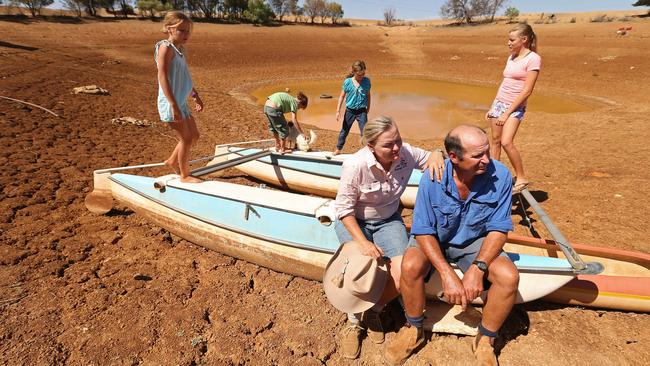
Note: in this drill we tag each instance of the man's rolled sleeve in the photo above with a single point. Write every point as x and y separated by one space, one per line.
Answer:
501 219
348 192
424 220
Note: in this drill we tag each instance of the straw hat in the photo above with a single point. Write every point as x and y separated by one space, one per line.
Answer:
354 282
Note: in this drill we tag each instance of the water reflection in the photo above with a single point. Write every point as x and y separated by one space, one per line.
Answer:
423 109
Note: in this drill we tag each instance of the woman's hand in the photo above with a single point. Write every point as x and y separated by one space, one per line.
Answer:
338 116
502 118
370 249
436 165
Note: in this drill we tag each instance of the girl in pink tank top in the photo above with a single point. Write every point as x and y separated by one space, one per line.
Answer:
509 106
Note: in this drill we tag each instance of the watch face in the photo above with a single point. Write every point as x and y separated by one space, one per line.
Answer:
481 265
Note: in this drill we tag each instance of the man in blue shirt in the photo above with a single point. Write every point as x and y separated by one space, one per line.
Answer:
463 219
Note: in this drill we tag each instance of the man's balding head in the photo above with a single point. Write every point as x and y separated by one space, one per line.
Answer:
461 136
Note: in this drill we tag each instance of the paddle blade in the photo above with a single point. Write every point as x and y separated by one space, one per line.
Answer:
99 202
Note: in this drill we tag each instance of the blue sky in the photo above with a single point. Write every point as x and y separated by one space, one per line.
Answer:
429 9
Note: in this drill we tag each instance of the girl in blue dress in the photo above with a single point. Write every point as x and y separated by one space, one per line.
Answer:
174 89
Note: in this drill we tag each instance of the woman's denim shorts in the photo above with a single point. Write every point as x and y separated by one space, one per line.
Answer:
499 107
389 234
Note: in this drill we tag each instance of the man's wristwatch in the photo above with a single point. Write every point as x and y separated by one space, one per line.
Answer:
481 265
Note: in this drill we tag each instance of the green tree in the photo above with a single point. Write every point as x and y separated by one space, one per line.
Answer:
90 6
461 10
152 7
512 13
314 8
34 6
493 6
334 11
294 9
125 7
258 12
235 8
280 8
76 6
207 7
109 6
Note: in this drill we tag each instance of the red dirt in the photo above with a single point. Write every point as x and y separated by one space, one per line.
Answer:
76 288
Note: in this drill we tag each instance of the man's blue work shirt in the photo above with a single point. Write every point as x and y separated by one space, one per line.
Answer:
439 210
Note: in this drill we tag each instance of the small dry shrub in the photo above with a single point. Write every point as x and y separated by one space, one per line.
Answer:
601 19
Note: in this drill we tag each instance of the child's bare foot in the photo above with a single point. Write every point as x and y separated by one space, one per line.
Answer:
336 152
174 166
191 179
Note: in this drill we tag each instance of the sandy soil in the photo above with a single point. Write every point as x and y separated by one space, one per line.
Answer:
82 289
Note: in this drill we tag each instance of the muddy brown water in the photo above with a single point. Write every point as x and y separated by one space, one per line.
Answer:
423 108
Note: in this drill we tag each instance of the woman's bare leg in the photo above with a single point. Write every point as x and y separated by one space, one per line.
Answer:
194 131
495 139
172 161
184 135
507 142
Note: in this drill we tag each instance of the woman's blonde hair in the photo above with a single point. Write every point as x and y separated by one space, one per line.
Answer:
525 30
173 19
357 67
376 127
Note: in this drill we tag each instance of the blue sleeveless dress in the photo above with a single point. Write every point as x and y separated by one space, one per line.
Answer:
180 82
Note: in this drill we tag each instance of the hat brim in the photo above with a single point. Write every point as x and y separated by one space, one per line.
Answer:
340 297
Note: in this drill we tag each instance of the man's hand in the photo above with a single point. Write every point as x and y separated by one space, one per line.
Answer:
370 249
453 289
473 283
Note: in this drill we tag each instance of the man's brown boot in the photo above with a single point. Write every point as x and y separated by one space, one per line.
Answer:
374 328
402 346
350 338
484 351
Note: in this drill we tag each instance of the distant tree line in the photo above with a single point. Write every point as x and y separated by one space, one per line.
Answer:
256 11
465 11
